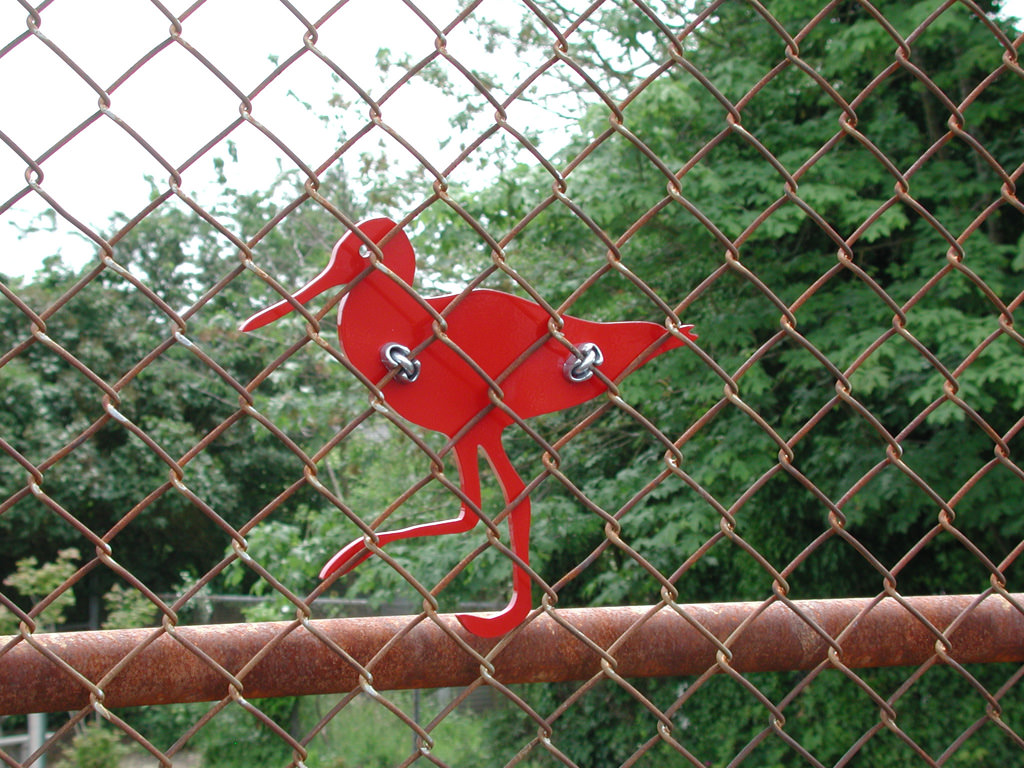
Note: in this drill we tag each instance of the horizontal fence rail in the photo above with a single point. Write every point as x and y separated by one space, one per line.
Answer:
144 666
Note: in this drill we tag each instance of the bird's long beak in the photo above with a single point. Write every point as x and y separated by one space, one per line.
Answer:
326 279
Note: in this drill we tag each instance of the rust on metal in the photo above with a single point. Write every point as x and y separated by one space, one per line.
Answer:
170 669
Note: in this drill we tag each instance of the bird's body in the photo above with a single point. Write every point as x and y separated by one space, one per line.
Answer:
493 330
485 359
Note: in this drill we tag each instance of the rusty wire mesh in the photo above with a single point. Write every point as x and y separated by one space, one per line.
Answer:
317 38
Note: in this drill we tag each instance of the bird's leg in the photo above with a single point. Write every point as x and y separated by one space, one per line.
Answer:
355 552
512 487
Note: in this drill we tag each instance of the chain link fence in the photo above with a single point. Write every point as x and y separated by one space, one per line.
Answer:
791 540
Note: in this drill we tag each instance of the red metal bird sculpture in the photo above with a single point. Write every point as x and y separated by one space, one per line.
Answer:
446 381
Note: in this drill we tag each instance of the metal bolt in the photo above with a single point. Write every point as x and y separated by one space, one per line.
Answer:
577 369
397 356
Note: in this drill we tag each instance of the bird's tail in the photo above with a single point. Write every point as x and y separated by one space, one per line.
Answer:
660 344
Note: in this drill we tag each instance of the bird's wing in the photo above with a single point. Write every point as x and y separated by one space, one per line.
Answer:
515 342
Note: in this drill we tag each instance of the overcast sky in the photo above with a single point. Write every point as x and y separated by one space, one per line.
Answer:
177 105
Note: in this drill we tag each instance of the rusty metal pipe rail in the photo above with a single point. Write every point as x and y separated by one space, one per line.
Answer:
297 662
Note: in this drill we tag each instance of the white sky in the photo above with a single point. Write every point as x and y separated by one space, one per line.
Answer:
177 105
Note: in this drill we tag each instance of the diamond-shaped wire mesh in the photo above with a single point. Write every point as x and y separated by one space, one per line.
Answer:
810 510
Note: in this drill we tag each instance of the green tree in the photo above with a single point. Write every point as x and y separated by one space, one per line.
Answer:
781 257
35 582
136 366
772 253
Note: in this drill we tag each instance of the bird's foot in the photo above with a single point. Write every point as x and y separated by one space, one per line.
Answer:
354 553
495 624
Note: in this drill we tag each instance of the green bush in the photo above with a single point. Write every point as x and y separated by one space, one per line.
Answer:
96 745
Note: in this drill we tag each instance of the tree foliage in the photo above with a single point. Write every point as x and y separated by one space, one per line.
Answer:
743 173
849 195
164 366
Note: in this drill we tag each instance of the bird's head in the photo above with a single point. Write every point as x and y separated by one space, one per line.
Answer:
349 259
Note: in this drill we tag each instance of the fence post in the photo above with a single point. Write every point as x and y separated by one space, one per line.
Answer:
37 735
